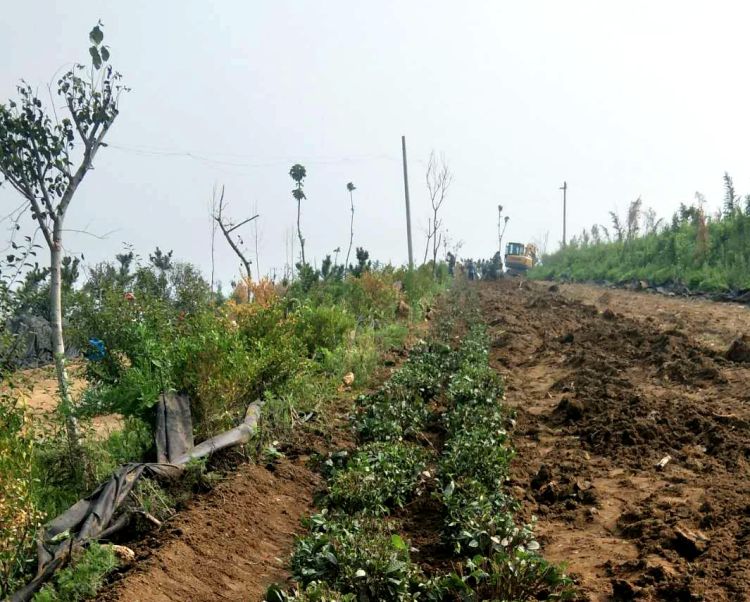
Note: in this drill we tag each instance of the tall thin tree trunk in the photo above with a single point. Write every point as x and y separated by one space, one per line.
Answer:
299 233
435 244
427 244
351 233
257 256
58 349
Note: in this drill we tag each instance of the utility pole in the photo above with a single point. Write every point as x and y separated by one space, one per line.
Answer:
408 210
564 188
502 224
499 230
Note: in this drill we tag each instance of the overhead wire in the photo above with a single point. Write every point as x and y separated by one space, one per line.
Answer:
250 162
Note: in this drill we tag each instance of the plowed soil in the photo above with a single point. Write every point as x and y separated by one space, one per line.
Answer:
606 385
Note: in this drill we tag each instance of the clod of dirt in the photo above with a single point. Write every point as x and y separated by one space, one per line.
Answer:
541 478
623 590
571 409
608 314
739 350
689 544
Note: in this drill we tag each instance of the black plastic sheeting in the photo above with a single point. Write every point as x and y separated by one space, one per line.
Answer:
99 515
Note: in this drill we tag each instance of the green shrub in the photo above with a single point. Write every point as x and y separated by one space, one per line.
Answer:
20 515
322 328
82 580
378 477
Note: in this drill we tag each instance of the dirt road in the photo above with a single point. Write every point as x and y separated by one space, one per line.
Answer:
607 384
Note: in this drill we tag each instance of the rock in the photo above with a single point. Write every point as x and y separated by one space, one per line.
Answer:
124 554
739 350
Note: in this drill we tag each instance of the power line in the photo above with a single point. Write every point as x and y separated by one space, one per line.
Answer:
211 158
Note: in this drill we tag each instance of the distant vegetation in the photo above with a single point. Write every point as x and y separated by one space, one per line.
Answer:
694 249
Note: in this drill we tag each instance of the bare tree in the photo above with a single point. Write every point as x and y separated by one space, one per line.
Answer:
38 158
256 238
351 188
227 227
438 178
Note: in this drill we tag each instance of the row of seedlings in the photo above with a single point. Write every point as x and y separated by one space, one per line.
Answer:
353 550
501 557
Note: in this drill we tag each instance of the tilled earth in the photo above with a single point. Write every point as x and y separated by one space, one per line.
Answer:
633 436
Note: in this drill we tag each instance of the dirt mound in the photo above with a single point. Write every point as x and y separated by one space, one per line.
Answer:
601 399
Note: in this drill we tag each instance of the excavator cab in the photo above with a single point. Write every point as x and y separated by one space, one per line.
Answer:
519 258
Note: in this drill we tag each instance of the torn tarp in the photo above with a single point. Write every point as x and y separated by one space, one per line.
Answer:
101 514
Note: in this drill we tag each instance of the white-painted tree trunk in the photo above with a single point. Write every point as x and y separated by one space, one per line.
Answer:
58 347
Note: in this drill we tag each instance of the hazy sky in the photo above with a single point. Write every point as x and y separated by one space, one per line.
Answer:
620 99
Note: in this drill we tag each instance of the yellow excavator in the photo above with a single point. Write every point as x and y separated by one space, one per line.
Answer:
520 258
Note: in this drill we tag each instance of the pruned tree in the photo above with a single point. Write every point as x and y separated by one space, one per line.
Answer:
351 188
298 173
227 226
45 159
439 179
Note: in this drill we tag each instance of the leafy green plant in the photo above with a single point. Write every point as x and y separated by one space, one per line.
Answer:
477 520
517 574
384 417
314 592
355 556
378 477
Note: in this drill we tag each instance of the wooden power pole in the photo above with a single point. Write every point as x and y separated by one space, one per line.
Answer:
408 210
564 188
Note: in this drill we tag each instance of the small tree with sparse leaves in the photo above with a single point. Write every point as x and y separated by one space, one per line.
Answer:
298 174
45 158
